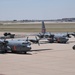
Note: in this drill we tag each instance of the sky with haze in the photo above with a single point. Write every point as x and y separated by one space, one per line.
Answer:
36 9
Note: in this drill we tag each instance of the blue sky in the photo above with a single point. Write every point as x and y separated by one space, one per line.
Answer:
36 9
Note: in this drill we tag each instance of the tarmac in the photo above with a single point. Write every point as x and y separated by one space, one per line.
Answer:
46 59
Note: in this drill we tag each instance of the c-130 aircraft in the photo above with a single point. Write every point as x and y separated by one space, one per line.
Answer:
54 37
16 45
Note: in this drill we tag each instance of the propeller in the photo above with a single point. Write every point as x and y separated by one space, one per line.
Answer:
5 34
40 35
27 39
37 41
73 34
68 35
51 36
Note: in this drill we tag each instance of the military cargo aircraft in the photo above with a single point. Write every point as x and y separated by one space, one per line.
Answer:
54 37
16 45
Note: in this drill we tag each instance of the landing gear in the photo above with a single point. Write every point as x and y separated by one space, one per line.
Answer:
25 52
20 52
3 51
51 40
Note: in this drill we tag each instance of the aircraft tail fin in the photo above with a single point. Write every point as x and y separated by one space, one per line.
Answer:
43 27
